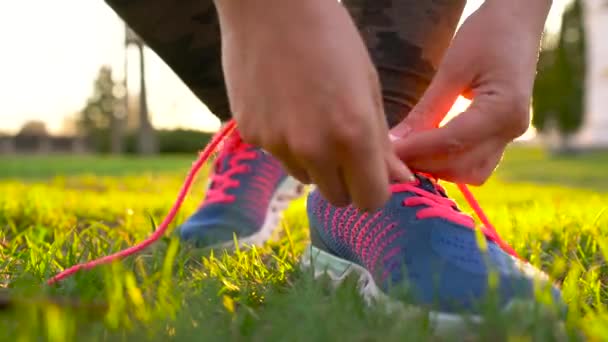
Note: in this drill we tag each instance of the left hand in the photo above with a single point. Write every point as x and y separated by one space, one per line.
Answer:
492 59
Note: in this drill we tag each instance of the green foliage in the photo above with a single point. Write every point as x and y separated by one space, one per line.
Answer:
36 128
174 141
96 117
32 167
559 88
170 292
182 141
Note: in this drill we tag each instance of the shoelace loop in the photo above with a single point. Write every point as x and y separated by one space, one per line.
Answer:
162 228
438 206
197 165
223 177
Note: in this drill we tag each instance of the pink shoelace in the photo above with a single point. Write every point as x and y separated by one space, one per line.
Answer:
222 179
438 206
443 207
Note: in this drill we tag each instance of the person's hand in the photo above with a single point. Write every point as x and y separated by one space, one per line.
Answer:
302 87
492 60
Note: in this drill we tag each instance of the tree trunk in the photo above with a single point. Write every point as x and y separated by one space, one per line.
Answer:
147 137
117 131
593 133
119 119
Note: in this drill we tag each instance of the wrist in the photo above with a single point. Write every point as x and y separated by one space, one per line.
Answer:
233 14
244 19
527 14
230 7
522 3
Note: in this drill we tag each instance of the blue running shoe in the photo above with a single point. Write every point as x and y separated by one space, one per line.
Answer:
421 241
247 194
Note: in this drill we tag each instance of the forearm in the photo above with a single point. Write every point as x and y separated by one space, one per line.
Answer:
527 14
244 18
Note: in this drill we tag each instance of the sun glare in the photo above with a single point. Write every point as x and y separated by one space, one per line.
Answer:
460 105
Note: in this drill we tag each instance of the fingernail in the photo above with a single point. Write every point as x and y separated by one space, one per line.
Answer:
399 131
404 173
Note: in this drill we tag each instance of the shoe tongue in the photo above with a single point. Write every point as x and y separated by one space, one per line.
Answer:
428 184
230 145
232 142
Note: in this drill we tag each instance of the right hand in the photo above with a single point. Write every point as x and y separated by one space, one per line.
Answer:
302 87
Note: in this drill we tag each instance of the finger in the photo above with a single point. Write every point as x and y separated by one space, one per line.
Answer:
323 171
365 171
289 163
397 169
295 169
297 172
471 167
463 132
329 180
435 103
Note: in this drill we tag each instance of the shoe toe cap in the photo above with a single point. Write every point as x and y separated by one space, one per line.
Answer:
445 267
211 226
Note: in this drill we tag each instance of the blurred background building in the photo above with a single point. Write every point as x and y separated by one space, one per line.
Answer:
79 81
594 131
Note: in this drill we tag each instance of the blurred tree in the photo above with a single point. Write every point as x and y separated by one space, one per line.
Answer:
558 100
173 141
98 118
34 128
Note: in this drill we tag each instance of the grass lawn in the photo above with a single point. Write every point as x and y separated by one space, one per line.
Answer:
55 212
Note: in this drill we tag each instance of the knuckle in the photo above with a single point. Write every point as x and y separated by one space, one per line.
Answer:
250 136
451 72
454 146
461 174
479 175
349 133
373 76
518 115
336 198
341 201
272 142
297 173
477 181
372 203
305 149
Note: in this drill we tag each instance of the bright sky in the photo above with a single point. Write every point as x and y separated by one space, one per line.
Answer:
52 50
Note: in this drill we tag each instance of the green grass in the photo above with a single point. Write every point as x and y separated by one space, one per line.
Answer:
55 212
32 167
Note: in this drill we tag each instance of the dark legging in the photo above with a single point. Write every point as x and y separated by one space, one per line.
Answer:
406 40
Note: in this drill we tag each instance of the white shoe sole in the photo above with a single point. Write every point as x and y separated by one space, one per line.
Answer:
322 263
290 189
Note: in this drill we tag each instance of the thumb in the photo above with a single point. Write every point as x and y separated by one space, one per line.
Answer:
434 104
